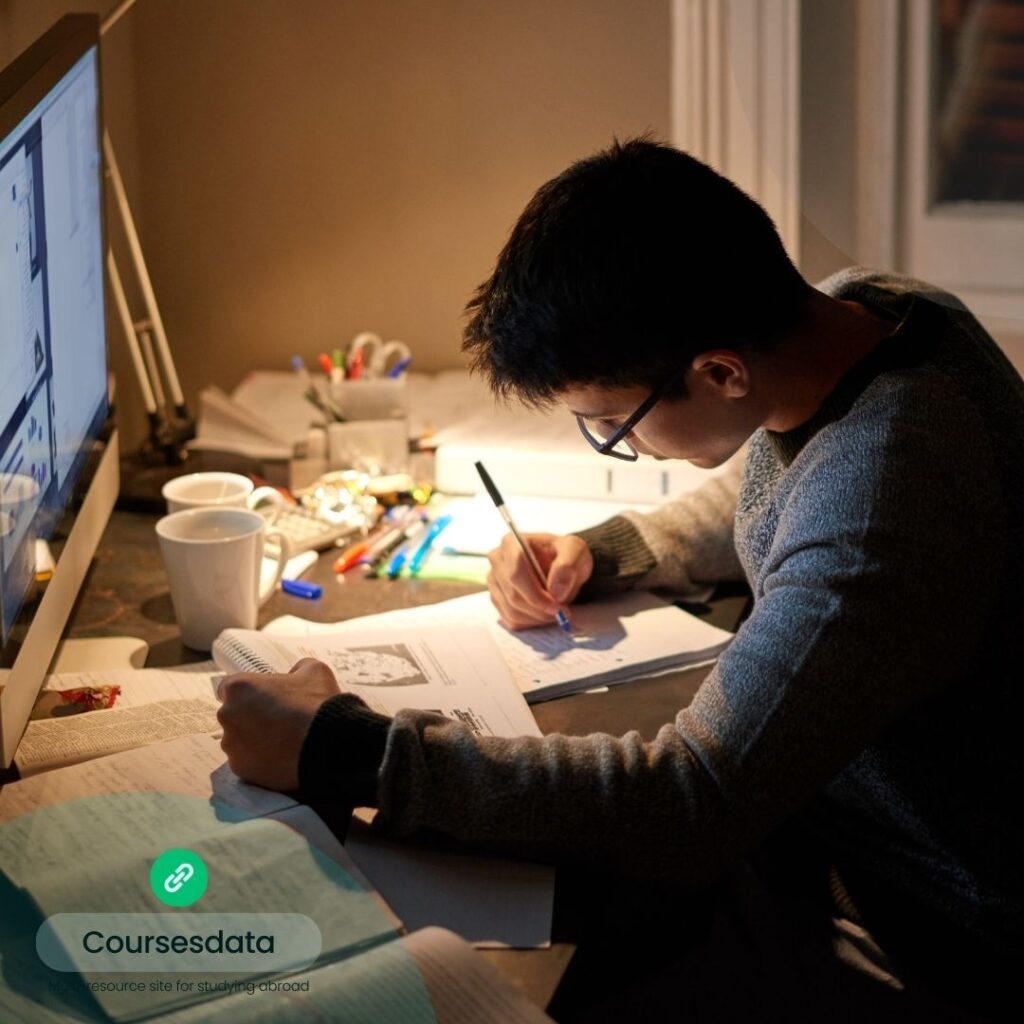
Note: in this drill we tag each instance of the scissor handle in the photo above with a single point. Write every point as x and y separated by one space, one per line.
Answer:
389 354
377 353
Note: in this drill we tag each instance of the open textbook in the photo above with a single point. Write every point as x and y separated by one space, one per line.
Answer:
81 840
148 705
614 640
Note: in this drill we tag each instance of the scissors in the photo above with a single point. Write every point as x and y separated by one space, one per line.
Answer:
378 355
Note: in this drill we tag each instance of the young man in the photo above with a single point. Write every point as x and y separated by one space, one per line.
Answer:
864 719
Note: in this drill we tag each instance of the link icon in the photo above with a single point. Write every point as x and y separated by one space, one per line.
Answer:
178 878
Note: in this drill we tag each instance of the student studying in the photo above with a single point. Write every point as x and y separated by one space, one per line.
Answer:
843 782
747 751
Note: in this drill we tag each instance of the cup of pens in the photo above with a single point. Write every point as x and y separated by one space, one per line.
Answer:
366 405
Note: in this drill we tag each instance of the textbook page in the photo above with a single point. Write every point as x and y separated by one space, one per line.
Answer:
613 640
192 766
454 671
152 705
82 839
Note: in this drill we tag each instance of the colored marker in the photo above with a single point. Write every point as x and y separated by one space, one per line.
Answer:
381 548
352 555
416 562
399 368
355 365
397 561
300 588
401 556
382 563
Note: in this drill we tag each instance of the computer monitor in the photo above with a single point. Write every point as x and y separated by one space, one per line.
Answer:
58 457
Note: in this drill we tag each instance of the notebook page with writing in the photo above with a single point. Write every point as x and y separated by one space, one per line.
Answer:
613 640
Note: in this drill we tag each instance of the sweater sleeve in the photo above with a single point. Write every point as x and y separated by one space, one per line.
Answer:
852 627
681 546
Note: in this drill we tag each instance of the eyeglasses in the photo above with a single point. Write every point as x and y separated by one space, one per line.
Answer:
617 445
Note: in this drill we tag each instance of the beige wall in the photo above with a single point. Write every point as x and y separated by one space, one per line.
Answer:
305 169
315 168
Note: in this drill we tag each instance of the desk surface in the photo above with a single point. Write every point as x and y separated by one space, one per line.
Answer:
126 593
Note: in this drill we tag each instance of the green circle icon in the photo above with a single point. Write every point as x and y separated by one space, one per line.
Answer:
178 878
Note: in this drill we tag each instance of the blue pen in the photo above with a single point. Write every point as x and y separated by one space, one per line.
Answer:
399 368
424 549
300 588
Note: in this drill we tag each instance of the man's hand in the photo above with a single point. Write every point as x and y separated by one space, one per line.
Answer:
521 602
266 718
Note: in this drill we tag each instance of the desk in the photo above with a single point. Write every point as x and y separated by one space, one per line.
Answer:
126 592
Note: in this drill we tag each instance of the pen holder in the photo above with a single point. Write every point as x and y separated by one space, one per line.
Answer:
372 446
375 435
372 398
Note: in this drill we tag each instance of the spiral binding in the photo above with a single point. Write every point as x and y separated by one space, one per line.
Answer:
243 658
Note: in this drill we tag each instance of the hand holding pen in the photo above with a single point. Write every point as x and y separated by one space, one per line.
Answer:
518 584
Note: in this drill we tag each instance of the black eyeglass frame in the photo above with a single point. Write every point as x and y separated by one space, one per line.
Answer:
607 446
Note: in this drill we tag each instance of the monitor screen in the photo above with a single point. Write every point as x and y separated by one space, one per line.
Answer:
53 369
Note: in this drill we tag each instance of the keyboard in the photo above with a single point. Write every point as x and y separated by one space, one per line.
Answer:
305 530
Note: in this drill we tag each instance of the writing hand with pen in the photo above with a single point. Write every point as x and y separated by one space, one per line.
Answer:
565 563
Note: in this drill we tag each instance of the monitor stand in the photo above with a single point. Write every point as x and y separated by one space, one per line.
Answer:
99 654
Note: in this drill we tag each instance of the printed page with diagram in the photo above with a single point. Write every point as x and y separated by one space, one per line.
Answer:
454 671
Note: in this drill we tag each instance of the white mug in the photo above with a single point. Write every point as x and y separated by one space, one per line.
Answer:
219 490
213 558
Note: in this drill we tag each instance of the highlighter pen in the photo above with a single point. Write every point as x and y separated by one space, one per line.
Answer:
412 540
560 616
365 548
423 550
356 552
351 555
397 561
382 548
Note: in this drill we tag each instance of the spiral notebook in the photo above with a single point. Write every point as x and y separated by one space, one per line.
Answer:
456 671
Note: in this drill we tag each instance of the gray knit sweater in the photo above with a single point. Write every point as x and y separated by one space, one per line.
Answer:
872 697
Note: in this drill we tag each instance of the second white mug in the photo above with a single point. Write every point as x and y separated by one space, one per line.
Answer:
215 490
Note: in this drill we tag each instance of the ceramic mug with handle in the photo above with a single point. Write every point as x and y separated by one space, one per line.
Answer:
215 490
213 558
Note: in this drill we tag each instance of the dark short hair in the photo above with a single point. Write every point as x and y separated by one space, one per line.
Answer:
623 268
